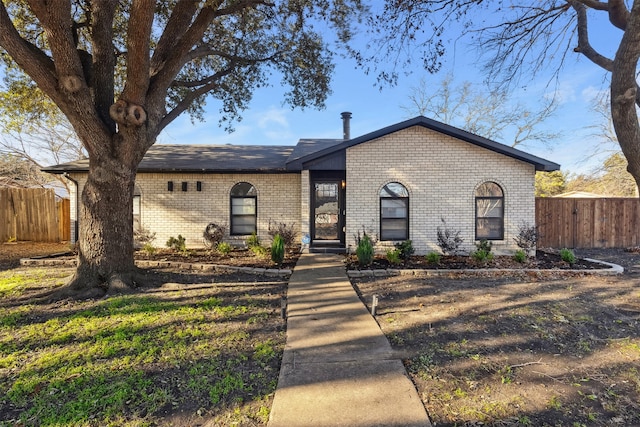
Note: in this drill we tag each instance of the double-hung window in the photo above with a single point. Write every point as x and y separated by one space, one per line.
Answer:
394 212
489 212
243 209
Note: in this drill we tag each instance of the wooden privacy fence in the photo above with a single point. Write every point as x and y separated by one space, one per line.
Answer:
588 223
33 214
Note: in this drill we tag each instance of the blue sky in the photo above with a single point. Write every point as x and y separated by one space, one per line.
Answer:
269 122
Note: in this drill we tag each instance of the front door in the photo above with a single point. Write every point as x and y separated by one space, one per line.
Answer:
327 211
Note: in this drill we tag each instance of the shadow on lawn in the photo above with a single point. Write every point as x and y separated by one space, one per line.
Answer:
505 351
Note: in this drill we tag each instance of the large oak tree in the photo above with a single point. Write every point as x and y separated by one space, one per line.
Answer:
521 39
121 71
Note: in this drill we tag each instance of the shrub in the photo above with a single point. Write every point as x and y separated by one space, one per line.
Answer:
224 248
484 245
482 255
527 237
520 256
567 256
213 234
433 258
286 231
178 244
149 249
253 240
364 251
393 256
449 240
277 249
406 249
143 236
260 251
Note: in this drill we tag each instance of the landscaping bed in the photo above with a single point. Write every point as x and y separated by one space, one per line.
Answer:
543 260
515 350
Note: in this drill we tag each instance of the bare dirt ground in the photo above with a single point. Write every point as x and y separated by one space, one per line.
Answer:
518 349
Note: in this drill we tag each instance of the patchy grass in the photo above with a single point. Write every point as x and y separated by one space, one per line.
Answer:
515 351
197 349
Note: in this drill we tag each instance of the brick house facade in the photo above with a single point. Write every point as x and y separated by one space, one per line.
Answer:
396 183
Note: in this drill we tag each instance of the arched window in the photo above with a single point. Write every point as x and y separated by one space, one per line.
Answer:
394 212
489 212
137 225
243 209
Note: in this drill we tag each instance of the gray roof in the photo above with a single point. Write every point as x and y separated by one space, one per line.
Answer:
272 158
539 163
202 158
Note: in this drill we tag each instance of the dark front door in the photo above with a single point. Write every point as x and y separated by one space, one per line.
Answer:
327 211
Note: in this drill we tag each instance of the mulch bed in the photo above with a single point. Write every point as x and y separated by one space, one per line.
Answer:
543 260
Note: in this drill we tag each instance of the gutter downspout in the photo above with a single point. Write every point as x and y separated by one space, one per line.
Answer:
75 225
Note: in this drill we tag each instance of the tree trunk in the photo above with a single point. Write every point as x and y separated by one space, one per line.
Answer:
105 253
624 93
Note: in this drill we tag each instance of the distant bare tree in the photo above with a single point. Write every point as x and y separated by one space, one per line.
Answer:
490 114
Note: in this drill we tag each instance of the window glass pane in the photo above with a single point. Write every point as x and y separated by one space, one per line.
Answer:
394 189
489 208
243 189
244 220
393 229
243 229
136 205
489 228
243 206
489 189
394 208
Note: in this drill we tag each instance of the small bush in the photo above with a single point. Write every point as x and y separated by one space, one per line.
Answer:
364 251
449 240
224 248
213 234
567 256
482 255
260 251
149 249
527 237
520 256
406 249
178 244
286 231
484 245
394 256
143 236
253 240
433 258
277 249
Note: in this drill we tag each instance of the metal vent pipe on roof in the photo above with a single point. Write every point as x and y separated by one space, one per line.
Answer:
346 125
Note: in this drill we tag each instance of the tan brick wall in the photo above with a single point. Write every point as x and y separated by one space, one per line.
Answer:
441 174
187 213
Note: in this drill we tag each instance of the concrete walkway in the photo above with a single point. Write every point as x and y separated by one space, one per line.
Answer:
338 368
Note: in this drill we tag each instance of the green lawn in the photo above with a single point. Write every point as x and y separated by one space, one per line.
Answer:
180 353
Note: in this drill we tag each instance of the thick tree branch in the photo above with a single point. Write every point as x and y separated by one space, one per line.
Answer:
618 14
584 46
103 58
624 92
177 25
55 18
31 59
138 42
